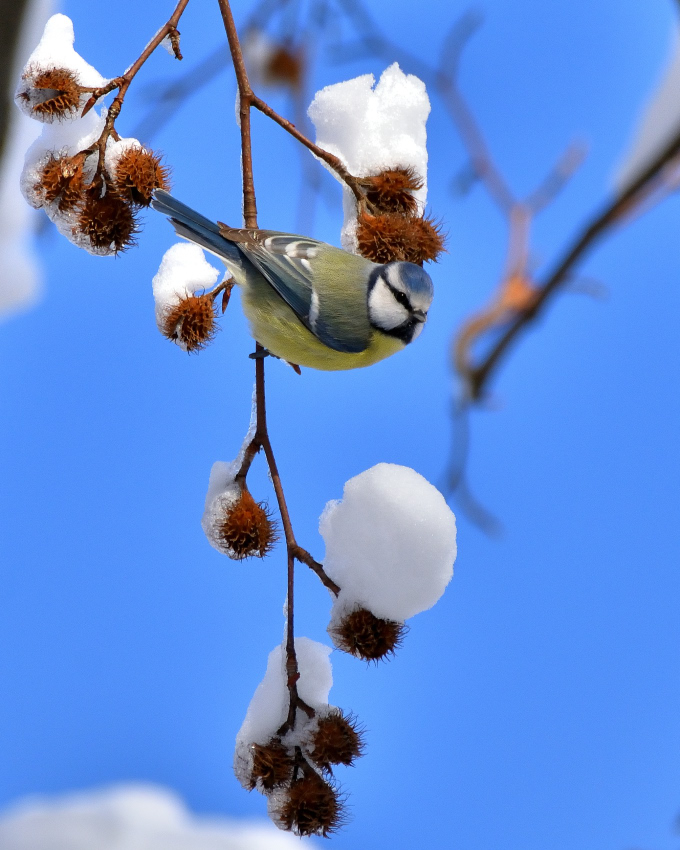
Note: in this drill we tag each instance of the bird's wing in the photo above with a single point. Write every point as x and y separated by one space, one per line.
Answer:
285 260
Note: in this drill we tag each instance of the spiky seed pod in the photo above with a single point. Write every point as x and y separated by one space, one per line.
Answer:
106 220
311 806
362 634
284 68
426 240
272 765
56 93
391 191
247 528
62 179
336 740
138 172
191 322
389 236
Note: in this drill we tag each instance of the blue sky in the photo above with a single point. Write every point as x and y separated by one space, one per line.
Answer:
537 705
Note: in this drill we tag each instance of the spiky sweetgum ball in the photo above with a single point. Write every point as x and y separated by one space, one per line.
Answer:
139 172
336 740
247 528
392 190
272 765
191 322
362 634
107 221
310 806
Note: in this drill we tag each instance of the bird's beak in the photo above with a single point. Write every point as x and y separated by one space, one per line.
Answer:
419 315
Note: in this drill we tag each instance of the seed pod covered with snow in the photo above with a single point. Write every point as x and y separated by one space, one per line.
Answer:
268 709
374 130
390 546
181 315
54 82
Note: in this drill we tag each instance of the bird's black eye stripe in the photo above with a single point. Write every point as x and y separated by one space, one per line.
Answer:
399 296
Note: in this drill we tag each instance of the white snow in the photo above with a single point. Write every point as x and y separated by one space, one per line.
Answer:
21 279
268 708
55 50
658 124
390 543
129 817
372 128
183 271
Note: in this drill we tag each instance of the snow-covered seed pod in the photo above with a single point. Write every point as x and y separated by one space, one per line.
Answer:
245 528
390 548
337 739
375 128
191 322
391 191
370 638
50 94
56 81
311 806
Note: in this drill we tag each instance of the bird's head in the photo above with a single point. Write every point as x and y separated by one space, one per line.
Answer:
399 296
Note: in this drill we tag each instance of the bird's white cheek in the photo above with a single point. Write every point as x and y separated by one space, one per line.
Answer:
383 309
417 331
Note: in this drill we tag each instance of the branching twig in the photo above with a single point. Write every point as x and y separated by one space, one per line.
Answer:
599 226
261 438
122 83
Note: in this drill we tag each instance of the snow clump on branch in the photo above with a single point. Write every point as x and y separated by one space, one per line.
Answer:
291 760
378 132
54 81
390 546
89 182
183 316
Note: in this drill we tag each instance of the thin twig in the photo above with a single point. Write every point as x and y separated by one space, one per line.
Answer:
122 83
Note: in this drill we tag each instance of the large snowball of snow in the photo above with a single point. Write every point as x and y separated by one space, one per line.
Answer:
390 542
268 708
129 817
372 128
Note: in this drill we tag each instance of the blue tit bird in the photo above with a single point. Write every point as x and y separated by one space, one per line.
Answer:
310 303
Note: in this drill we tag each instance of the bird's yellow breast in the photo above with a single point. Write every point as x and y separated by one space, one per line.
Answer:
275 326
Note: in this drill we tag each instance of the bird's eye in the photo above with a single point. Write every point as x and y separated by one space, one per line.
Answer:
402 299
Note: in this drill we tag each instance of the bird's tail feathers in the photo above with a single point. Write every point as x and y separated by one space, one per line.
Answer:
195 227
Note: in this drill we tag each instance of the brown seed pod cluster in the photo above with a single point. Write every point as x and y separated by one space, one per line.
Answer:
51 94
395 230
370 638
105 205
246 528
191 323
289 771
